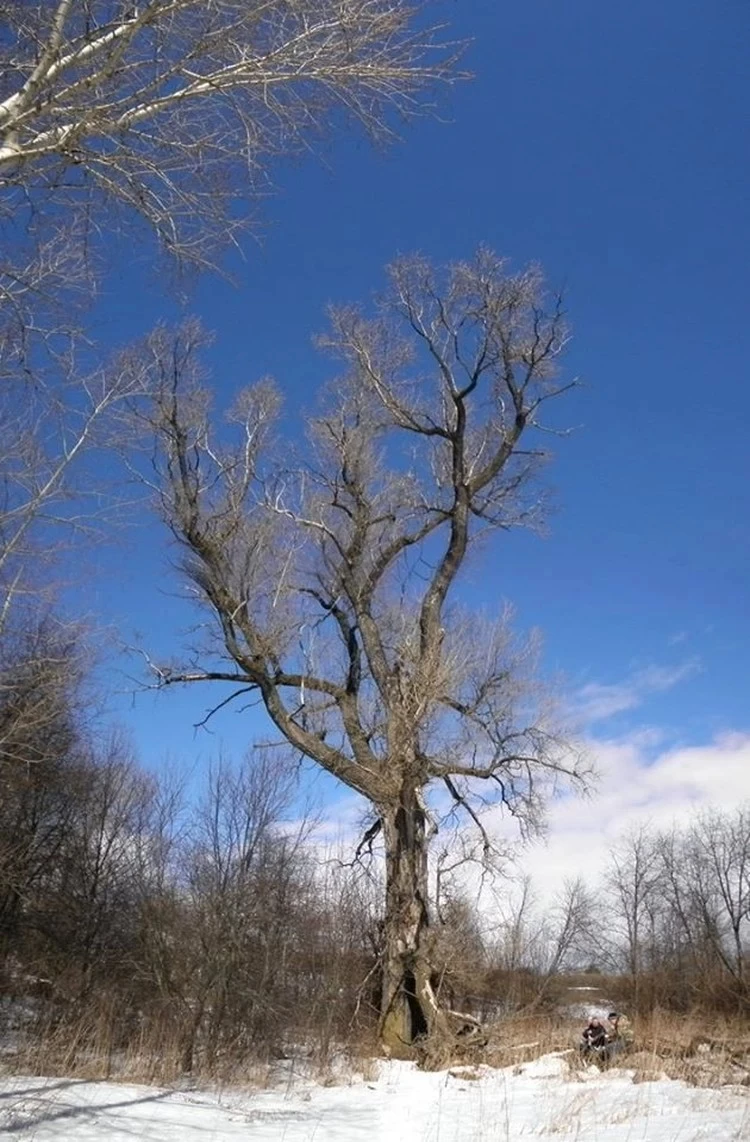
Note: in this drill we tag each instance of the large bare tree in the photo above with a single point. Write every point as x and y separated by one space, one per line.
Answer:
333 579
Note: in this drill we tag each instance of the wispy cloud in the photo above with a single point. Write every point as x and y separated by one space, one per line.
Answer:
596 700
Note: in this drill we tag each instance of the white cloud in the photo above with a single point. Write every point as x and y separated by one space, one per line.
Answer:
597 701
635 788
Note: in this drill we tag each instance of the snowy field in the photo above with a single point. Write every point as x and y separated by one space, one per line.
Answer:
539 1099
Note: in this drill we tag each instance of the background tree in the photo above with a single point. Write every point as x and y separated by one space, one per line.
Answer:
532 944
49 432
706 871
331 580
88 897
634 883
40 675
244 882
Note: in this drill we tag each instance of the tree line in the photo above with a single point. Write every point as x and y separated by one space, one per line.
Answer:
206 932
129 921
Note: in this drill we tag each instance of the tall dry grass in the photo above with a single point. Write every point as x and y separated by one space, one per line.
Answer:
699 1048
703 1049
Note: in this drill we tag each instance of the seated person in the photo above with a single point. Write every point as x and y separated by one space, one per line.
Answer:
594 1037
619 1035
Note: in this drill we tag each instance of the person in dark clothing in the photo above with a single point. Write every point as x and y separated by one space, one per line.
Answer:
594 1038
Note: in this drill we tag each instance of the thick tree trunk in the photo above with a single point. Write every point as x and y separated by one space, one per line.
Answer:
410 1011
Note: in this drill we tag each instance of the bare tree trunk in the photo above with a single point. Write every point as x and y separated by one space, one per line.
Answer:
410 1010
190 1037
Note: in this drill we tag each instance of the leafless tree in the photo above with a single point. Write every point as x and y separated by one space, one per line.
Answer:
221 953
167 106
708 876
534 941
39 738
634 880
331 580
678 913
516 930
86 904
724 843
568 928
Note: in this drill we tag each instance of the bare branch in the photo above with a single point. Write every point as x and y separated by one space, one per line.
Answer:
164 104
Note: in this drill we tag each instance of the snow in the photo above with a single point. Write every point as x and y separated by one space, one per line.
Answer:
535 1100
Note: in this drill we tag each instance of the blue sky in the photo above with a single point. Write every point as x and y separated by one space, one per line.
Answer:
610 143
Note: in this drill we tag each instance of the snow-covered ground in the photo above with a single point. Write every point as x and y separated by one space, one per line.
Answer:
536 1099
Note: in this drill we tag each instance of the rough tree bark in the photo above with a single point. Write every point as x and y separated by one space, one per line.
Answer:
409 1008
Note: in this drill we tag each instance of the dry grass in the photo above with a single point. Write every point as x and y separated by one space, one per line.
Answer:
77 1051
698 1049
683 1034
51 1058
521 1038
